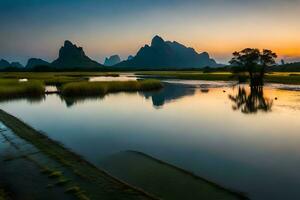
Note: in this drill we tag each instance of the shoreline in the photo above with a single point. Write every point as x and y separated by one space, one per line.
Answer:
94 180
86 180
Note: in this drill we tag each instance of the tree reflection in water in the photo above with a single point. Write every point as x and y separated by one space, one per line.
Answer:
251 102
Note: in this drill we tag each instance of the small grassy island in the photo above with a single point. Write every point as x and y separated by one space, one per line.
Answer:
102 88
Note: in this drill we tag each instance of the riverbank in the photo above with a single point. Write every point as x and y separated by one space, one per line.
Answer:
159 178
60 78
76 175
272 77
69 173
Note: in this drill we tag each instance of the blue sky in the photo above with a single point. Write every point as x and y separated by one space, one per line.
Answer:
37 28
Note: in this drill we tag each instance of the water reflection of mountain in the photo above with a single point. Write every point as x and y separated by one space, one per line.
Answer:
71 101
169 93
251 101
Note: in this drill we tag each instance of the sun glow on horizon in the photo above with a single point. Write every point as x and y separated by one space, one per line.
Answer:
217 27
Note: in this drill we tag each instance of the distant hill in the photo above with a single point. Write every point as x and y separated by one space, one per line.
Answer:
168 54
34 62
5 64
112 60
71 56
129 57
16 64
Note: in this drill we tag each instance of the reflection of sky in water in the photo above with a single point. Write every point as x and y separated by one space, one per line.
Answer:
257 154
112 78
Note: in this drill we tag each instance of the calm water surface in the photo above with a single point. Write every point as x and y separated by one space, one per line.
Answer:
245 140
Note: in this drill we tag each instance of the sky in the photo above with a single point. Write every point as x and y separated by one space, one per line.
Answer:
38 28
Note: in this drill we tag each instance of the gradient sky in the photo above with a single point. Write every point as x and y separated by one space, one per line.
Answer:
37 28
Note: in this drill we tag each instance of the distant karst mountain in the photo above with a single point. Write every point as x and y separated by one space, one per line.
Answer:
163 54
71 56
130 57
16 64
5 64
112 60
35 62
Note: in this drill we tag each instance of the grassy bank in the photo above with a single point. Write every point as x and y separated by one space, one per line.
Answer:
190 75
60 78
89 182
12 88
283 77
102 88
272 77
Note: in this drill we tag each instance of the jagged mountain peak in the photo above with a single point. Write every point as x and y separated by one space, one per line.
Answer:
68 43
168 54
71 56
157 41
112 60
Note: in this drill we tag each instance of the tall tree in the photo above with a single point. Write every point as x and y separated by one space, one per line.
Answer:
254 62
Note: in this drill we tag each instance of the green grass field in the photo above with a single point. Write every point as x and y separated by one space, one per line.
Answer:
190 75
54 78
272 77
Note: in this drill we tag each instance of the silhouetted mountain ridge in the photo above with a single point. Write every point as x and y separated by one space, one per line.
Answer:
159 55
112 60
71 56
34 62
168 54
5 64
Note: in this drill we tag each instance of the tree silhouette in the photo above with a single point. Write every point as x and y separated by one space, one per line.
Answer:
254 62
251 102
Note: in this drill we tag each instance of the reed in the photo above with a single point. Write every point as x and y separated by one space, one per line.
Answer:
102 88
12 88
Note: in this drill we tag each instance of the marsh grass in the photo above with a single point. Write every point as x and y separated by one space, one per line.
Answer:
12 88
55 78
192 75
270 77
101 88
283 78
